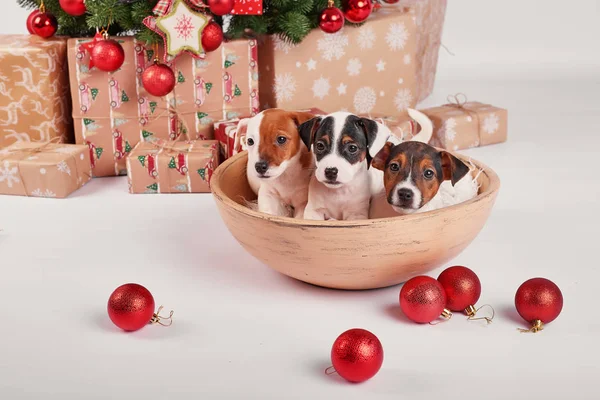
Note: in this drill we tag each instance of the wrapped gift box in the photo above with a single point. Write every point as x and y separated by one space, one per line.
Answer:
172 167
382 67
113 112
44 170
34 105
463 125
248 7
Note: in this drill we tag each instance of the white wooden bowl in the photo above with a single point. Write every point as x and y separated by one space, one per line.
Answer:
364 254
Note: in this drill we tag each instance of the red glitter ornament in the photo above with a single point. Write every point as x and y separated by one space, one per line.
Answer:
131 307
358 11
423 300
331 19
539 301
462 287
108 55
44 24
212 37
73 7
356 355
221 7
158 79
30 18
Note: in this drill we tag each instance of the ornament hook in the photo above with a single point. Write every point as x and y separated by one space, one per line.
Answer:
446 314
536 326
471 311
330 370
158 319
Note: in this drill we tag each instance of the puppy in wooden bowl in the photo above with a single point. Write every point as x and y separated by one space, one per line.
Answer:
418 177
279 165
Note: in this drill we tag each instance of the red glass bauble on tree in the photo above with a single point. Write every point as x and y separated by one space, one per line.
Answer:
423 300
30 18
358 11
131 307
391 1
356 355
158 79
108 55
221 7
73 7
212 37
331 19
44 24
539 301
462 287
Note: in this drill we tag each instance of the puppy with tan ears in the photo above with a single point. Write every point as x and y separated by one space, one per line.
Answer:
279 164
417 177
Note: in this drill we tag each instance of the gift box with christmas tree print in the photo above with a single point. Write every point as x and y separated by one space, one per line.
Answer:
113 112
34 105
381 67
172 167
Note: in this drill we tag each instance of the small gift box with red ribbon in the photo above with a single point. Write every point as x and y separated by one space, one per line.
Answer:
172 167
44 169
463 124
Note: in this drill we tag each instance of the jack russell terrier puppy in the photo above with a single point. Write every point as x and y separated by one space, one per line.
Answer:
343 145
279 165
419 178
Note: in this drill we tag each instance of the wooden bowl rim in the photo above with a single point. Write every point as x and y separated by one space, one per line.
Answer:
492 189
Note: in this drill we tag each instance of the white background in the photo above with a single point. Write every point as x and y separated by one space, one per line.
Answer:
243 331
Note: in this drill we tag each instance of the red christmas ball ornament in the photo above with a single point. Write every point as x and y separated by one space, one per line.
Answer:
221 7
108 55
462 287
212 37
391 1
131 307
356 355
423 300
358 11
75 8
44 24
539 301
30 18
158 79
331 19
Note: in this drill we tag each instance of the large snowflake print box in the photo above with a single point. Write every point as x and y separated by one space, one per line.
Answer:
381 67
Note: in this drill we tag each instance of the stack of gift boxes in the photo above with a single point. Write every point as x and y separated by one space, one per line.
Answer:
173 144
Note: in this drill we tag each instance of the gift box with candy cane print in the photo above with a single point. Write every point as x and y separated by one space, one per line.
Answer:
172 167
113 112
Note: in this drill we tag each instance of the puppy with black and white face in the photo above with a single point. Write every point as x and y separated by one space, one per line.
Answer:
340 144
417 177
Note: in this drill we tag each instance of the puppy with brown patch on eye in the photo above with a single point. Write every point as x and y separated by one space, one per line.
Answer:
418 177
279 164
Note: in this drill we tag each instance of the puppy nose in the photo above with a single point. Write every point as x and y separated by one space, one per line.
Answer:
405 194
331 173
261 167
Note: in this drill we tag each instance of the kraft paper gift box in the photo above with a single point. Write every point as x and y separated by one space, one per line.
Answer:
381 67
34 86
463 125
44 169
113 112
172 167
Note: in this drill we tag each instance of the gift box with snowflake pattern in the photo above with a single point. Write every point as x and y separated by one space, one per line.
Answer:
381 67
172 167
44 169
459 125
113 112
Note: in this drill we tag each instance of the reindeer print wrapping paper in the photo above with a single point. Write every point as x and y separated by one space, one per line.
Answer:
172 167
34 90
113 112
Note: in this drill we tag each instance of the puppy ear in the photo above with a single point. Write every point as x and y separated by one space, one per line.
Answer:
453 169
242 127
381 158
370 128
300 117
307 131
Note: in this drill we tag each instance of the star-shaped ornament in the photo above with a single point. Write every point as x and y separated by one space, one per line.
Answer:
182 30
89 46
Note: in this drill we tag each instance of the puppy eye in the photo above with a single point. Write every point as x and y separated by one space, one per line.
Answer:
281 139
250 142
360 123
352 148
428 174
395 167
320 146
